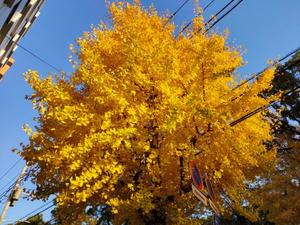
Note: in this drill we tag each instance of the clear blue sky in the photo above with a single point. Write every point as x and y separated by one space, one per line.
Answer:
267 29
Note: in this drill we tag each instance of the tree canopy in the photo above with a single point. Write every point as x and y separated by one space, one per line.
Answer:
281 194
36 220
120 131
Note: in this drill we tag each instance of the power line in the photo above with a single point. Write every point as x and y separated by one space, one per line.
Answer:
256 75
34 55
219 12
10 168
189 24
289 54
8 189
277 72
207 6
58 70
37 57
171 17
218 20
177 10
14 195
252 113
4 194
39 212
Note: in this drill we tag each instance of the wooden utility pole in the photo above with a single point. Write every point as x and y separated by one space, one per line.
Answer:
14 195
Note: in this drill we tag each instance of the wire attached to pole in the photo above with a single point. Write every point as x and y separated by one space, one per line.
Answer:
218 20
252 113
256 75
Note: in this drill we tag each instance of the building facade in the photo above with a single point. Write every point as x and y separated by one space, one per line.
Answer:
16 17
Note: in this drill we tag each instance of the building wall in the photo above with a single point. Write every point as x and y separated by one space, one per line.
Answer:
16 17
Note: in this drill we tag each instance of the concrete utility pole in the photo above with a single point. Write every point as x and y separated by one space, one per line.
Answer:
14 195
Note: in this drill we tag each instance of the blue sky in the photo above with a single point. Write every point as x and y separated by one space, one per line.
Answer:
266 29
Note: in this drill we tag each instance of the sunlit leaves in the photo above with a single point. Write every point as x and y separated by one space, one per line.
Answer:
140 99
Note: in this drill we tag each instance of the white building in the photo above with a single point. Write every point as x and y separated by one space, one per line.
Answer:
16 17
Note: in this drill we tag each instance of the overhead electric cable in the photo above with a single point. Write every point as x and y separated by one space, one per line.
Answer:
9 188
189 24
10 168
207 6
252 113
285 68
14 194
6 192
256 75
297 88
35 55
177 10
215 15
38 213
38 57
289 54
219 19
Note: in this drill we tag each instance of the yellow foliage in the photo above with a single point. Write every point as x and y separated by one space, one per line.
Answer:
138 100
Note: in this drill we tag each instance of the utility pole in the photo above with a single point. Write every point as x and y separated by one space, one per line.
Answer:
14 195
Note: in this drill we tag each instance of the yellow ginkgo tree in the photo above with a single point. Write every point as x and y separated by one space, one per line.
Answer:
139 106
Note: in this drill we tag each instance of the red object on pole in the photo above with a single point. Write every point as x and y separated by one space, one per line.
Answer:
196 176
